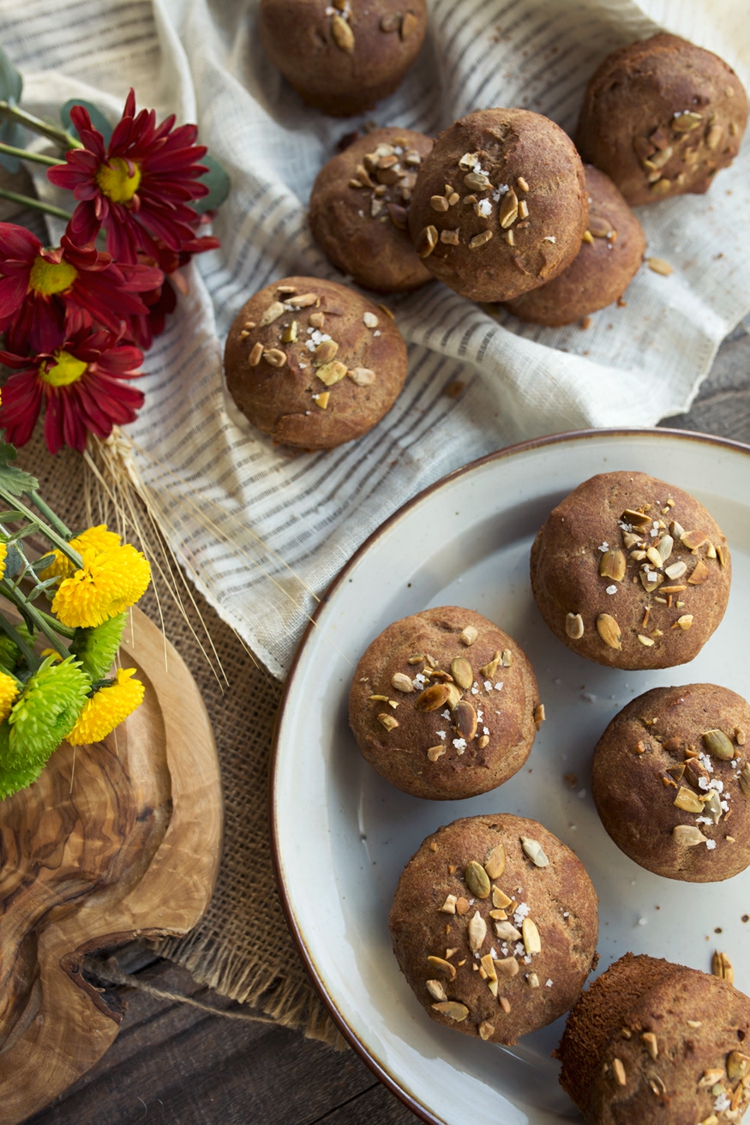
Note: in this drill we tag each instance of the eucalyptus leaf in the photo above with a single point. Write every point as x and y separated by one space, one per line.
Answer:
218 184
13 561
11 85
98 120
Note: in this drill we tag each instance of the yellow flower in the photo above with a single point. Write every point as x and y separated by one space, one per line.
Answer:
3 553
9 693
107 709
109 582
94 538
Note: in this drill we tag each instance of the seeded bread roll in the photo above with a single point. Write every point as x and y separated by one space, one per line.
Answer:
312 363
661 117
342 59
631 572
610 254
444 704
359 210
494 925
669 772
655 1042
500 204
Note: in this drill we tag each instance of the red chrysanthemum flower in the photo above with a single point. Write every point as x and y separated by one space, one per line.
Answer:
46 295
82 386
138 187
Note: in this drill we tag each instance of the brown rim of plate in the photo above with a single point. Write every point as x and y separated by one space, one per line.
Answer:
508 451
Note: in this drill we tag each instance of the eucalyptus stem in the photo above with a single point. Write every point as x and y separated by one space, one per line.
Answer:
60 136
17 598
34 204
51 534
36 157
32 659
53 518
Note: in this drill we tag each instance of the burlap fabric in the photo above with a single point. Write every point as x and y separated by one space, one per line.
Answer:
242 947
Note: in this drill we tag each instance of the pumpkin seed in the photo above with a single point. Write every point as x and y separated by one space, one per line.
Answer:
574 626
443 967
289 335
687 835
432 697
325 352
465 721
495 863
477 879
712 807
718 745
534 851
452 1009
476 181
461 672
477 931
436 990
609 631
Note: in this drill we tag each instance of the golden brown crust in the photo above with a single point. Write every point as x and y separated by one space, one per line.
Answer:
661 117
663 1029
343 61
289 401
601 270
433 753
359 210
513 148
652 755
558 899
634 620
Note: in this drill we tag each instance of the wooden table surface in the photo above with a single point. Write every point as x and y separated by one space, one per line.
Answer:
178 1065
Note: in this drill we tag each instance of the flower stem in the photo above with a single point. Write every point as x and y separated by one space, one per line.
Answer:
64 630
15 596
53 518
51 534
31 658
36 157
59 136
35 204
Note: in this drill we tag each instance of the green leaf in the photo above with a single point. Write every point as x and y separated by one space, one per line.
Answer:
14 481
218 184
11 82
13 561
98 120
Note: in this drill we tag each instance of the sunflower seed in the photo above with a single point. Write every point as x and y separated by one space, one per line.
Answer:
718 744
255 355
495 863
436 990
722 967
686 122
402 682
574 626
272 313
609 631
362 376
687 835
343 36
658 265
613 565
461 672
331 373
477 879
688 801
534 851
477 931
452 1009
408 24
443 967
427 241
508 209
531 939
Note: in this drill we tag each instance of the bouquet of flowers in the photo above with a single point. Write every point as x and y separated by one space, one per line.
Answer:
73 600
77 317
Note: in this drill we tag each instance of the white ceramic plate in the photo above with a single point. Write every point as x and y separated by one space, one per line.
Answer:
342 835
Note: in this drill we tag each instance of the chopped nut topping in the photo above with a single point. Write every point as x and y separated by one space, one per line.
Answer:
619 1072
480 239
436 990
427 241
387 720
343 36
531 939
468 635
369 319
362 376
534 850
331 373
658 265
486 1030
255 355
477 932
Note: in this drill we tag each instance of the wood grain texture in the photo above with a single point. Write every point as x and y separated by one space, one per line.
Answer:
113 841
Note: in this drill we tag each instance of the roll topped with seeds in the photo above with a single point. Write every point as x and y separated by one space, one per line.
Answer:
500 204
631 572
655 1042
494 925
345 56
669 771
661 117
359 210
312 363
609 258
444 704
